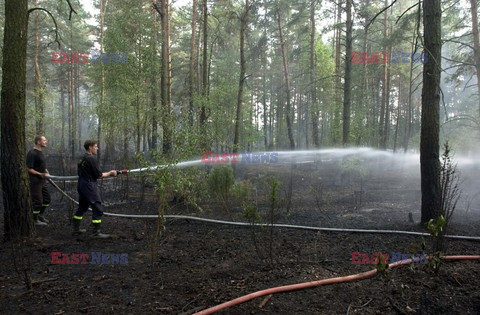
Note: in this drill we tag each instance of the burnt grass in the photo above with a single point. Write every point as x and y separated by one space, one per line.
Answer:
184 266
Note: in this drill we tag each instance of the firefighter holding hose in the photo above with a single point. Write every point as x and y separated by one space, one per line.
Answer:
88 173
37 169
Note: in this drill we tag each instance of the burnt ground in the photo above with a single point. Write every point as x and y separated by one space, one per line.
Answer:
193 265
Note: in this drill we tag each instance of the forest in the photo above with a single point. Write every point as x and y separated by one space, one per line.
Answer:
272 147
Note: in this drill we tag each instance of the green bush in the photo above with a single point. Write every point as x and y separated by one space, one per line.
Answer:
251 214
220 183
242 191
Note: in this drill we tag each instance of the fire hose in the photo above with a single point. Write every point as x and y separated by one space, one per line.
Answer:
317 283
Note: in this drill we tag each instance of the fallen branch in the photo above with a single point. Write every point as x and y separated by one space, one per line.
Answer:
265 300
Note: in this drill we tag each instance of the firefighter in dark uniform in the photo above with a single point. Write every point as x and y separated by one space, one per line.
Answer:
37 168
88 173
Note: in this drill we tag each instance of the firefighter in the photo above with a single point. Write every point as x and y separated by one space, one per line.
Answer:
37 168
88 173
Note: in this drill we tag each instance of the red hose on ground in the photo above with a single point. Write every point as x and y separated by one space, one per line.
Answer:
305 285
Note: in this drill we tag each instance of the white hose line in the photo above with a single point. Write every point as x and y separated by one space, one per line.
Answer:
136 170
190 163
301 227
65 178
289 226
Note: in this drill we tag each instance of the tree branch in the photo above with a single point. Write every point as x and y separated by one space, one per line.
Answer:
460 36
54 22
383 10
459 62
454 66
413 6
466 84
458 42
155 6
454 4
443 102
71 10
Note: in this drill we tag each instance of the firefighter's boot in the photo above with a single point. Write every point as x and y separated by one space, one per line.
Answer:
41 216
37 221
97 233
76 226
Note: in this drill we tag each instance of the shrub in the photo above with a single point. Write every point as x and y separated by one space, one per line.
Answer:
220 183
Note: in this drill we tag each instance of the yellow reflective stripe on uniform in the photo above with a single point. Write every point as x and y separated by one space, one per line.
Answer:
77 218
46 205
36 212
96 221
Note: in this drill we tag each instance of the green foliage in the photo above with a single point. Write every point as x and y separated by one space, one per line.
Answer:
436 227
380 266
435 261
242 191
251 214
450 194
449 183
273 196
220 183
132 100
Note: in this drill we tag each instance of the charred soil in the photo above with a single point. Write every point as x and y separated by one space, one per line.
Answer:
183 266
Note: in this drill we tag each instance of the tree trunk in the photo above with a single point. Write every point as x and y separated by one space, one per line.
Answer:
62 104
399 113
138 124
313 83
38 89
348 76
164 84
476 45
271 115
386 126
192 64
264 103
15 186
103 9
408 125
241 81
287 82
384 82
429 137
364 100
203 113
71 92
153 79
198 66
338 83
264 87
78 119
